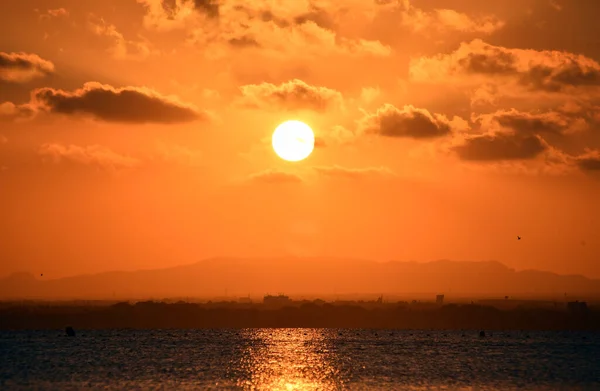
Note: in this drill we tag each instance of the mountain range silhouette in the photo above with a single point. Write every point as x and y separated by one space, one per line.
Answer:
294 276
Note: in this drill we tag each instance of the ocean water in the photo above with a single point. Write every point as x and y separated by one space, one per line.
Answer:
298 359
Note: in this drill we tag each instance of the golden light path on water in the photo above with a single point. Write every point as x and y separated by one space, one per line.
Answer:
290 359
308 359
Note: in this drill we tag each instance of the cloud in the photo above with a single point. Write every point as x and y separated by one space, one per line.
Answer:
174 14
244 42
292 95
518 141
336 135
307 40
120 48
549 122
209 7
354 173
53 13
548 71
486 94
409 122
277 29
107 103
453 20
287 15
562 77
23 67
58 12
93 155
443 20
9 111
500 146
275 176
589 161
300 28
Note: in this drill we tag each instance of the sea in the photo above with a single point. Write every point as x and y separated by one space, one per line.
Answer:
299 359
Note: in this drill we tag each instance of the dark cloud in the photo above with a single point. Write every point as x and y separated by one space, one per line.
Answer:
293 95
545 70
274 176
268 16
170 7
209 7
318 16
407 122
570 73
495 61
23 67
128 104
589 161
500 146
244 42
534 123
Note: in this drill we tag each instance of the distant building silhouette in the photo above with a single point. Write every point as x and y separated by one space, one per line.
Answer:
439 299
276 301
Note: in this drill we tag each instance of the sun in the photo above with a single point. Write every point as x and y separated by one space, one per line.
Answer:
293 141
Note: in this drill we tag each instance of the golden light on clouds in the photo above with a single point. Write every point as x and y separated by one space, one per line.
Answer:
425 114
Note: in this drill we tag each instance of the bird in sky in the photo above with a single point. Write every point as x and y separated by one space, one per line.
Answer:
518 238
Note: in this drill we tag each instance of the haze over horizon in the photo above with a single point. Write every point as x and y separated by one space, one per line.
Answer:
285 259
136 134
316 277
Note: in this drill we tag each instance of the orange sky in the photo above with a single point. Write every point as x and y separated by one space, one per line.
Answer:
136 133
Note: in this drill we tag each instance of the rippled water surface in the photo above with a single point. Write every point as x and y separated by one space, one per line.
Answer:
299 359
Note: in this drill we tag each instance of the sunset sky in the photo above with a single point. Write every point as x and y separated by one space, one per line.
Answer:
137 133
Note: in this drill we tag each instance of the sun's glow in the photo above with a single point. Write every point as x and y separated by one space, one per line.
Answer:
293 141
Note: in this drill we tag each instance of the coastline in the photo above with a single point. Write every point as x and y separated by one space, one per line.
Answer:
157 315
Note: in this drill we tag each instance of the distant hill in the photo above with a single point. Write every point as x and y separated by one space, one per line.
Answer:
212 277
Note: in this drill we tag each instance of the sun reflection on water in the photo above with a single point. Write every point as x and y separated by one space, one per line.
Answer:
289 359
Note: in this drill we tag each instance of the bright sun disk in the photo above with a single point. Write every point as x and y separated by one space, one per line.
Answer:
293 141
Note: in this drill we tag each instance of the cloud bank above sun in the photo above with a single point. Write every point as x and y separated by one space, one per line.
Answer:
482 75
